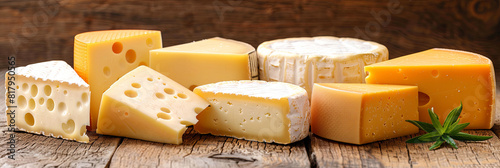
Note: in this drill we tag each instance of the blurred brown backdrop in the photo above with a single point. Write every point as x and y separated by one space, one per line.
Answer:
40 30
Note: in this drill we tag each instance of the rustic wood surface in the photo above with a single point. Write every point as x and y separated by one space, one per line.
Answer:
40 30
212 151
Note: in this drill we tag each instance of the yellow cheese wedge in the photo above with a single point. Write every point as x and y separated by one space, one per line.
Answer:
101 57
444 78
144 104
324 59
52 100
255 110
206 61
363 113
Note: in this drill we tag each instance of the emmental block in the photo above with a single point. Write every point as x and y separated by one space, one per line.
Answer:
51 100
363 113
206 61
101 57
445 78
144 104
255 110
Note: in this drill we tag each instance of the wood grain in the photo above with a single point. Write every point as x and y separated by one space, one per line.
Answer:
40 151
40 30
209 151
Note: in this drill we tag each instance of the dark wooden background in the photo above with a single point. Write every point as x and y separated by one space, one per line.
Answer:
40 30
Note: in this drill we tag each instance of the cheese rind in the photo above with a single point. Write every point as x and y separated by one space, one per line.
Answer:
363 113
255 110
305 61
101 57
52 100
445 78
206 61
144 104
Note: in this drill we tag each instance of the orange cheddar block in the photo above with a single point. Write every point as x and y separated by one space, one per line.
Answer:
444 78
363 113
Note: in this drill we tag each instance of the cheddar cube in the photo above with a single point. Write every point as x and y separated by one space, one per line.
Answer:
363 113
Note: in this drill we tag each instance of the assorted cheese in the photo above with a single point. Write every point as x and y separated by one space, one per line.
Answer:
144 104
363 113
444 78
305 61
51 100
101 57
255 110
206 61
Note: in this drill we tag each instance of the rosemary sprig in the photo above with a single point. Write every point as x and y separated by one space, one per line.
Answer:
447 132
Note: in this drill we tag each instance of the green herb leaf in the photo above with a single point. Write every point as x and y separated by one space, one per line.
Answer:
468 137
430 136
422 125
452 117
450 141
436 145
435 122
416 140
458 128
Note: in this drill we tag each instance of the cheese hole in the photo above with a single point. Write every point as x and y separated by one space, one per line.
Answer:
41 101
50 104
17 87
268 115
30 120
126 114
32 104
25 87
130 93
169 91
182 95
150 79
85 97
435 73
198 110
192 87
79 105
136 85
130 56
34 90
400 70
62 108
423 99
149 42
106 71
142 63
47 90
163 116
65 92
229 103
83 130
164 109
21 102
186 123
69 126
117 47
160 96
405 78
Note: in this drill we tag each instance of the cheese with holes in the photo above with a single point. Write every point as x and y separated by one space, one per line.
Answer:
304 61
144 104
444 78
255 110
206 61
101 57
363 113
51 100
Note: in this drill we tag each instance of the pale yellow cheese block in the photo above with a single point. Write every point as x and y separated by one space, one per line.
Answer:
363 113
206 61
255 110
144 104
51 100
101 57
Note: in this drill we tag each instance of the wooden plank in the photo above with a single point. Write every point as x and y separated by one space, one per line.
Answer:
38 30
41 151
209 151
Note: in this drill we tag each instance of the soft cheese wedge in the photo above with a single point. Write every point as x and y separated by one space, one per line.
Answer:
101 57
444 78
363 113
255 110
144 104
52 100
206 61
304 61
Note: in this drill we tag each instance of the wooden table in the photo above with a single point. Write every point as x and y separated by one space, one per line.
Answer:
212 151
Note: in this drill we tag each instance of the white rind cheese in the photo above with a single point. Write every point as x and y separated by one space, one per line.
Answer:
255 110
308 60
51 100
